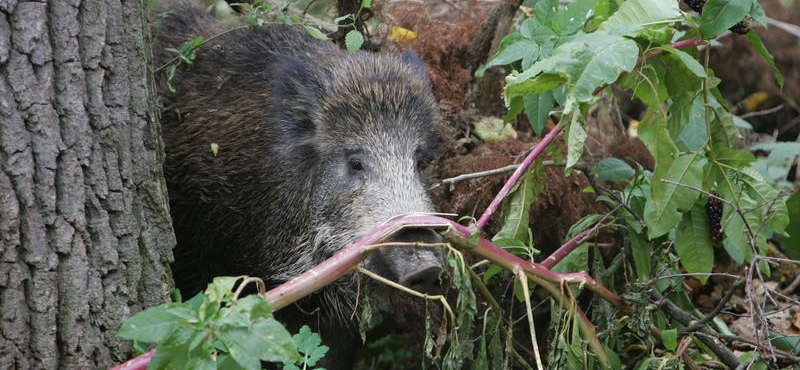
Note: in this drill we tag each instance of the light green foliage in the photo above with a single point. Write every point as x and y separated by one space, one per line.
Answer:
641 13
719 15
611 169
461 339
310 345
693 242
211 331
353 40
792 242
664 210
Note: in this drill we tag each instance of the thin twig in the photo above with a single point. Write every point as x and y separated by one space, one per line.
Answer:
788 27
721 305
468 176
705 335
527 294
437 297
576 241
764 112
537 150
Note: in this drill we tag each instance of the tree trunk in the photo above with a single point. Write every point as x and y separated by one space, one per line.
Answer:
84 225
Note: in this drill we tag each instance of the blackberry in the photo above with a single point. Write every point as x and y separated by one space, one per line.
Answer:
696 5
741 27
714 212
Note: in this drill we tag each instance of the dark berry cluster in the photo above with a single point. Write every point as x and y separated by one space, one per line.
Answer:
714 212
740 28
696 5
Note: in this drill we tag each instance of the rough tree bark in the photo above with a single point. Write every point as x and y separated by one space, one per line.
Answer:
84 226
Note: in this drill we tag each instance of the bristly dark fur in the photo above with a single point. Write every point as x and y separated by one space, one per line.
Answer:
286 111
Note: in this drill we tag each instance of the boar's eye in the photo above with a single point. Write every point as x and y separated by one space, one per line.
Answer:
355 164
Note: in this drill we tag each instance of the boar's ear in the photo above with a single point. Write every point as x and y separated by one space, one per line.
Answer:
411 58
295 91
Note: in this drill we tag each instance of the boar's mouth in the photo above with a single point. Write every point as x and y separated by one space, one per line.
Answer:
419 268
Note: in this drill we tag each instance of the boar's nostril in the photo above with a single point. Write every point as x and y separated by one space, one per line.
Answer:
426 281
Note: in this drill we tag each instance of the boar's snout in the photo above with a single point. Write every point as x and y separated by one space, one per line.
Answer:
419 268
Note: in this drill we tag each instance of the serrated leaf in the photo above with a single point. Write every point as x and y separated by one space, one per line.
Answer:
316 33
221 288
169 357
155 324
353 40
663 211
612 169
693 242
719 15
589 61
366 3
642 12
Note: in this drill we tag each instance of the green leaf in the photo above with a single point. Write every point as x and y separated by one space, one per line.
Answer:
694 134
641 256
308 342
571 19
536 85
155 324
791 148
612 169
693 242
759 47
353 40
641 13
521 48
663 211
516 208
730 157
538 108
757 12
719 15
792 242
316 33
221 288
692 64
587 61
766 196
583 224
577 260
271 341
366 3
238 342
670 339
168 356
575 139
